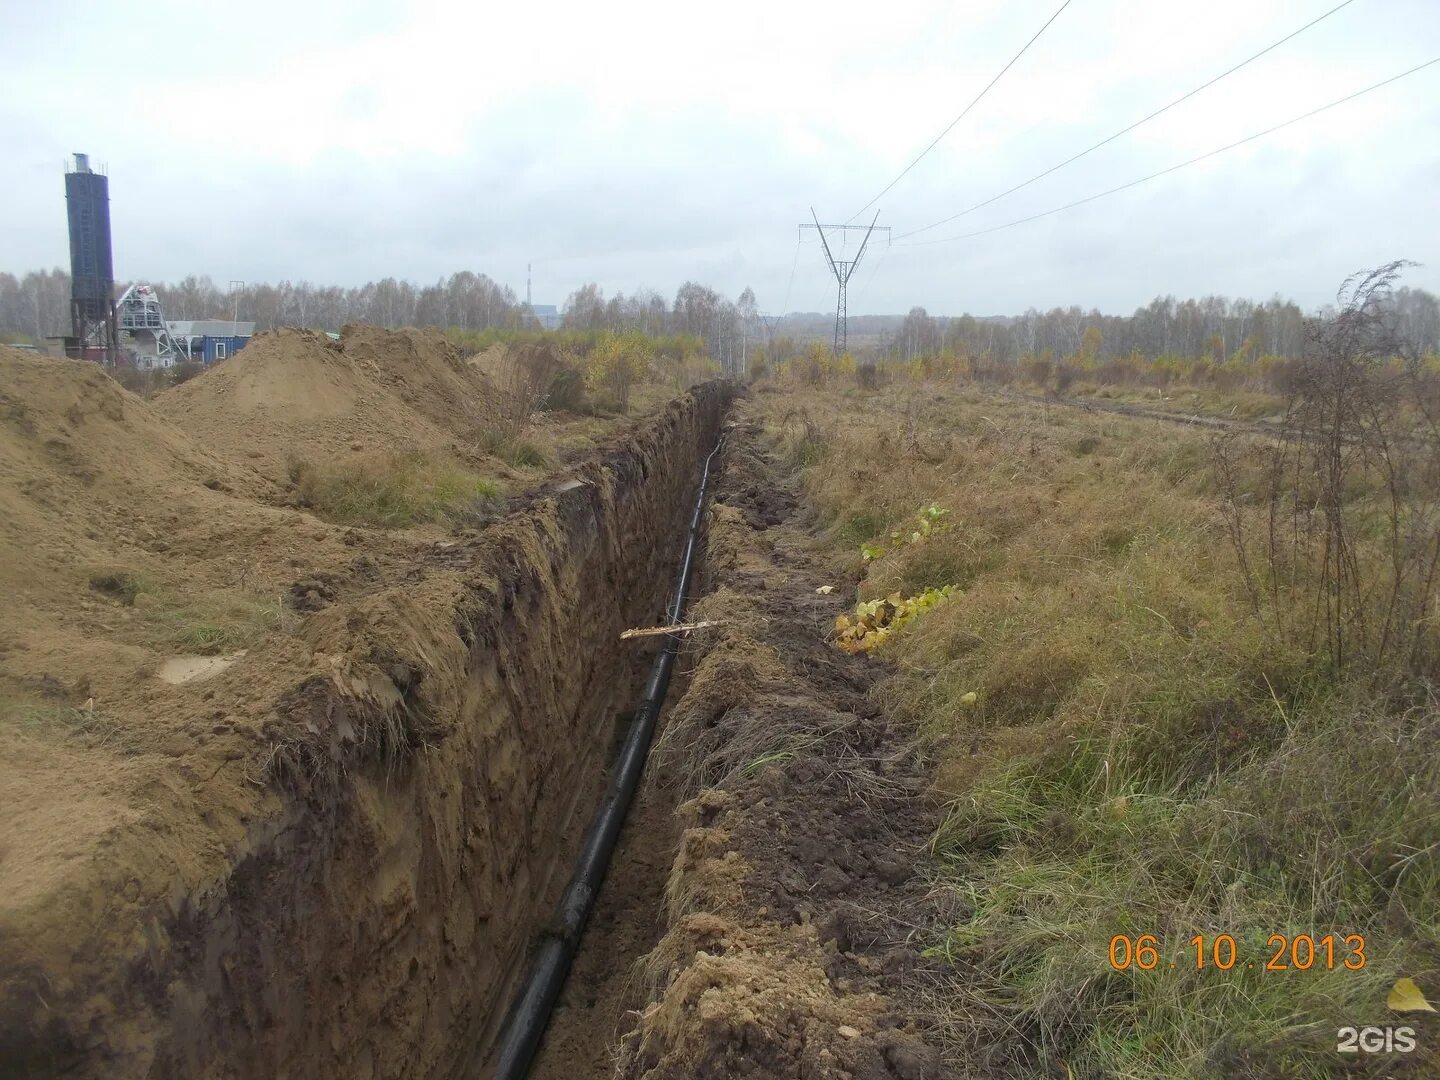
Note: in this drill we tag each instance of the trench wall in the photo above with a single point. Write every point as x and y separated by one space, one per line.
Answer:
432 790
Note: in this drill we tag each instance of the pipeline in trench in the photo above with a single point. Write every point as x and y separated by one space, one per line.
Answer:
550 963
403 806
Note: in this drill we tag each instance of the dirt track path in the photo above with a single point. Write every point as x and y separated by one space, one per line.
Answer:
1140 412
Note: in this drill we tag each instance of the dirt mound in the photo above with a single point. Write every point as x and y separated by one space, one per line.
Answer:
295 394
424 370
86 468
277 864
491 361
125 543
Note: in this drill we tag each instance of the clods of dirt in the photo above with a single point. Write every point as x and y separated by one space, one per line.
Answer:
796 880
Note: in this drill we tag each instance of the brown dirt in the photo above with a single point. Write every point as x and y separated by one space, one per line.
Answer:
791 901
295 394
327 858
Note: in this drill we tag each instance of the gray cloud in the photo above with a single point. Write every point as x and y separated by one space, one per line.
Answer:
651 144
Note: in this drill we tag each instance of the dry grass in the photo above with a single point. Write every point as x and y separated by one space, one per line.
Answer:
514 450
1232 404
216 622
396 490
1142 753
24 712
205 622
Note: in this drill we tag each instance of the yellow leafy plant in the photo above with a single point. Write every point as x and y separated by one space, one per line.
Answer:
929 520
616 363
874 621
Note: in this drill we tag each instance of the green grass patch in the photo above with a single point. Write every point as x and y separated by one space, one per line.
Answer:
856 528
214 623
44 717
397 490
1331 830
514 450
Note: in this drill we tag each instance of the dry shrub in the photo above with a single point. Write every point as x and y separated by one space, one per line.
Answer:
567 391
1119 372
526 376
1039 369
616 363
986 369
185 371
802 442
1344 550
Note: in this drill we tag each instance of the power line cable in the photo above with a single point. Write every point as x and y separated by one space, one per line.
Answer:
936 141
1183 164
875 269
785 307
1125 131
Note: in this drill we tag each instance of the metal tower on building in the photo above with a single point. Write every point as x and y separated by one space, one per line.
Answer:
149 340
92 273
842 269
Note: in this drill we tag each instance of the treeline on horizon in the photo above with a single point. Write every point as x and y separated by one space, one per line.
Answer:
1212 328
478 310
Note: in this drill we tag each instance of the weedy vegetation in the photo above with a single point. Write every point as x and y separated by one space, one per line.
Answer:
30 714
394 490
207 622
1173 686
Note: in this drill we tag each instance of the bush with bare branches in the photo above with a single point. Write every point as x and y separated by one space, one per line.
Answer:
525 377
1342 551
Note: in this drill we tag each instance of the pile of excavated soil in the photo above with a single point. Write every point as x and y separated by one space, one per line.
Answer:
126 545
321 853
110 515
296 395
490 361
795 887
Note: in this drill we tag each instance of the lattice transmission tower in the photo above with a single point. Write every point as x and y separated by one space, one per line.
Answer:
843 268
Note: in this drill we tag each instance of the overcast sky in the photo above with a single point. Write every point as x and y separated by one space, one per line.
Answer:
641 144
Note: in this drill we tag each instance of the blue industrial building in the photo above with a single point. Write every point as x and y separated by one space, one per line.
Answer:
209 340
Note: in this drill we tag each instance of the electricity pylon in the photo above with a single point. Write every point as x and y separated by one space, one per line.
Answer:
842 269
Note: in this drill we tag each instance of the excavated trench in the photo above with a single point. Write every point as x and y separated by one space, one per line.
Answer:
467 851
430 793
430 784
603 994
761 914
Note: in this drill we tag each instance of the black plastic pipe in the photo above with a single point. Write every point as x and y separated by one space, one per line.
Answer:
530 1013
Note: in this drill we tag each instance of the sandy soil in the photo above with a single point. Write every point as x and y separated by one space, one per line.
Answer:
295 394
325 857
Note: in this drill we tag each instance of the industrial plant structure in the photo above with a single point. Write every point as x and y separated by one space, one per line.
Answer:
94 333
133 331
207 340
148 340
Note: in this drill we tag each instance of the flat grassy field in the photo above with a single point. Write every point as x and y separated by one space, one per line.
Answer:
1131 740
